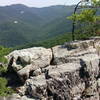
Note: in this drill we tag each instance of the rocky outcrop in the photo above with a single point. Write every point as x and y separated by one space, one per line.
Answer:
64 72
24 62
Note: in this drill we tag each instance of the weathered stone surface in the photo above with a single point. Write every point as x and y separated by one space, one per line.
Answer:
67 77
65 72
27 60
65 53
36 87
60 80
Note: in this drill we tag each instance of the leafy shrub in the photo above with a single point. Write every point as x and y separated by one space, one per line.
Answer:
3 60
4 90
3 70
4 51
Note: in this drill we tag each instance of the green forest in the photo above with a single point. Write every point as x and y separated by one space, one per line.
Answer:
54 32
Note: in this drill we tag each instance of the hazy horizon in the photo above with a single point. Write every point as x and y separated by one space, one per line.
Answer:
39 3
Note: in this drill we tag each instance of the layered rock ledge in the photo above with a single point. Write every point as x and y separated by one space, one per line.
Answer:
64 72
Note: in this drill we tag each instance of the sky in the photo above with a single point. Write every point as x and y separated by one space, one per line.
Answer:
38 3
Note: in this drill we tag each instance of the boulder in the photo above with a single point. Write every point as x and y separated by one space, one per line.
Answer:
63 78
36 87
65 53
27 60
58 83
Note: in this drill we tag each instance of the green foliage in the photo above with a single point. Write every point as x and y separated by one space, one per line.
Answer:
3 70
86 16
4 90
87 19
96 3
35 24
58 40
3 60
4 51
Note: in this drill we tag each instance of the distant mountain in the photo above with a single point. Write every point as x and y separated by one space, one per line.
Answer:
20 24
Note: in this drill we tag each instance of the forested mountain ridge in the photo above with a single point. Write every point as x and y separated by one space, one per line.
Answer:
20 24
